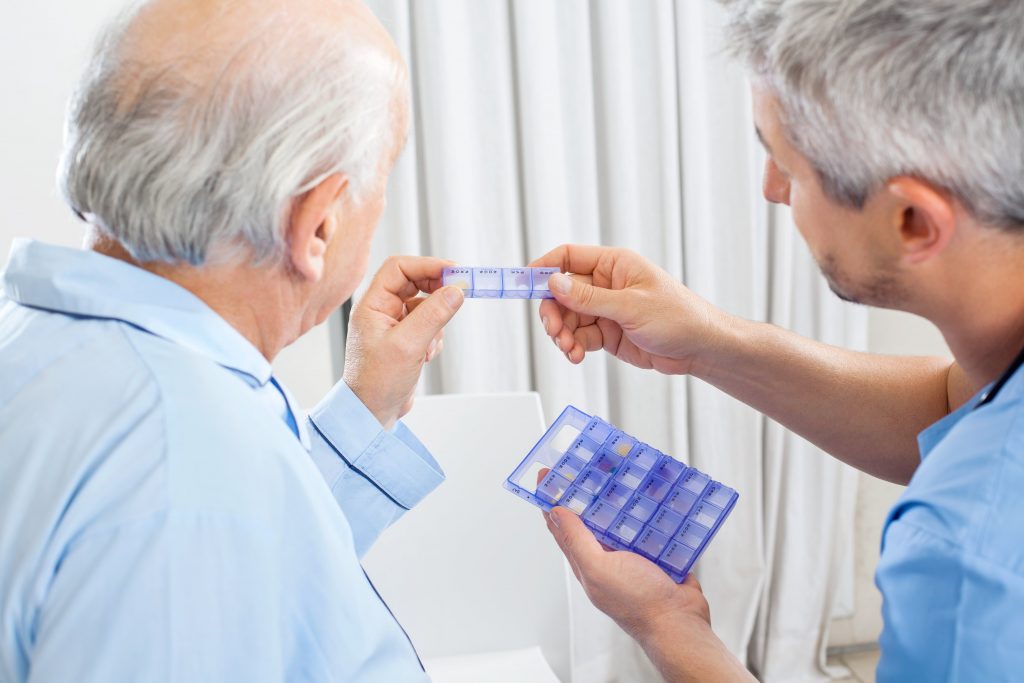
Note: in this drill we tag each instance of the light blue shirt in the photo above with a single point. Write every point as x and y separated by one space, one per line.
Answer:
164 515
952 565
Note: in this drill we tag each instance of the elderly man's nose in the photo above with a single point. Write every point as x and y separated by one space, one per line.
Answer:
776 184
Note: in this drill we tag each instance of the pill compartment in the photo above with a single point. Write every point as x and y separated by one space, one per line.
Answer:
680 500
694 480
516 283
692 534
666 521
487 283
645 456
651 543
617 494
656 488
677 557
592 480
571 467
669 469
576 499
706 514
641 507
460 277
584 448
719 495
606 462
598 431
540 282
625 529
552 487
631 475
629 494
621 444
600 515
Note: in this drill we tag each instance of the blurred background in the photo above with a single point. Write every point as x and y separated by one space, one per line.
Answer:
539 122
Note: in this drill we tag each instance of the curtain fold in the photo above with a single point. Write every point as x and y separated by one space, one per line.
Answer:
539 122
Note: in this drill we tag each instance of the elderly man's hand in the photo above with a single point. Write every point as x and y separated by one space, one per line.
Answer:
621 302
393 332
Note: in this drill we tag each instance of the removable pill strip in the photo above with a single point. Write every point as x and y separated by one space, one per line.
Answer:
631 495
500 283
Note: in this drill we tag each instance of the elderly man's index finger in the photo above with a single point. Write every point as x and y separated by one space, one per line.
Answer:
572 258
406 276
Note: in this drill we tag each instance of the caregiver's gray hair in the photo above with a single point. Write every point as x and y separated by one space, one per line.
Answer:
873 89
180 168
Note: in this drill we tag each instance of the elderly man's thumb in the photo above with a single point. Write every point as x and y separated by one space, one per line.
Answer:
585 298
423 323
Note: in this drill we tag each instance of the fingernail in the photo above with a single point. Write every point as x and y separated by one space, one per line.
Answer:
560 282
432 348
544 323
453 295
555 517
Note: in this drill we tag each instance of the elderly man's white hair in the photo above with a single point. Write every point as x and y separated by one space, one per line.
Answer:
198 121
873 89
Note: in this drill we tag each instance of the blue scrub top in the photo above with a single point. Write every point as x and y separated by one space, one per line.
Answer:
952 566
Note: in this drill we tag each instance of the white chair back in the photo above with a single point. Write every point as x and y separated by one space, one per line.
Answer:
472 569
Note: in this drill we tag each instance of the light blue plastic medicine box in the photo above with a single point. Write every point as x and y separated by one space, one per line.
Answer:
631 495
500 283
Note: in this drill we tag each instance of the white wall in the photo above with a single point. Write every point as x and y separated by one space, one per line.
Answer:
43 49
900 334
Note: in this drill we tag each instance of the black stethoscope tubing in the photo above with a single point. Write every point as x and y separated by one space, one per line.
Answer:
990 395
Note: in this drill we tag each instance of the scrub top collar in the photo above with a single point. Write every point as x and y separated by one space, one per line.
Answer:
991 394
932 435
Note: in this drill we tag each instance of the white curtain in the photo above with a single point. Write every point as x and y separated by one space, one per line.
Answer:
539 122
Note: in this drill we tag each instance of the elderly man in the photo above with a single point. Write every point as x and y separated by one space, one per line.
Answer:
163 507
895 131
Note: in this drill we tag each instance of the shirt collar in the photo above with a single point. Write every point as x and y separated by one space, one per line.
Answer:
88 284
1001 392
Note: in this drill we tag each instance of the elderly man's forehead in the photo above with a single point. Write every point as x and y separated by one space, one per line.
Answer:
233 15
202 34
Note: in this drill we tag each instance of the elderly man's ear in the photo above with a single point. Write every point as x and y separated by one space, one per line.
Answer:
313 224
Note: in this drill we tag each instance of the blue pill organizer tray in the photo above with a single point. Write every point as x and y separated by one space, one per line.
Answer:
631 495
500 283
